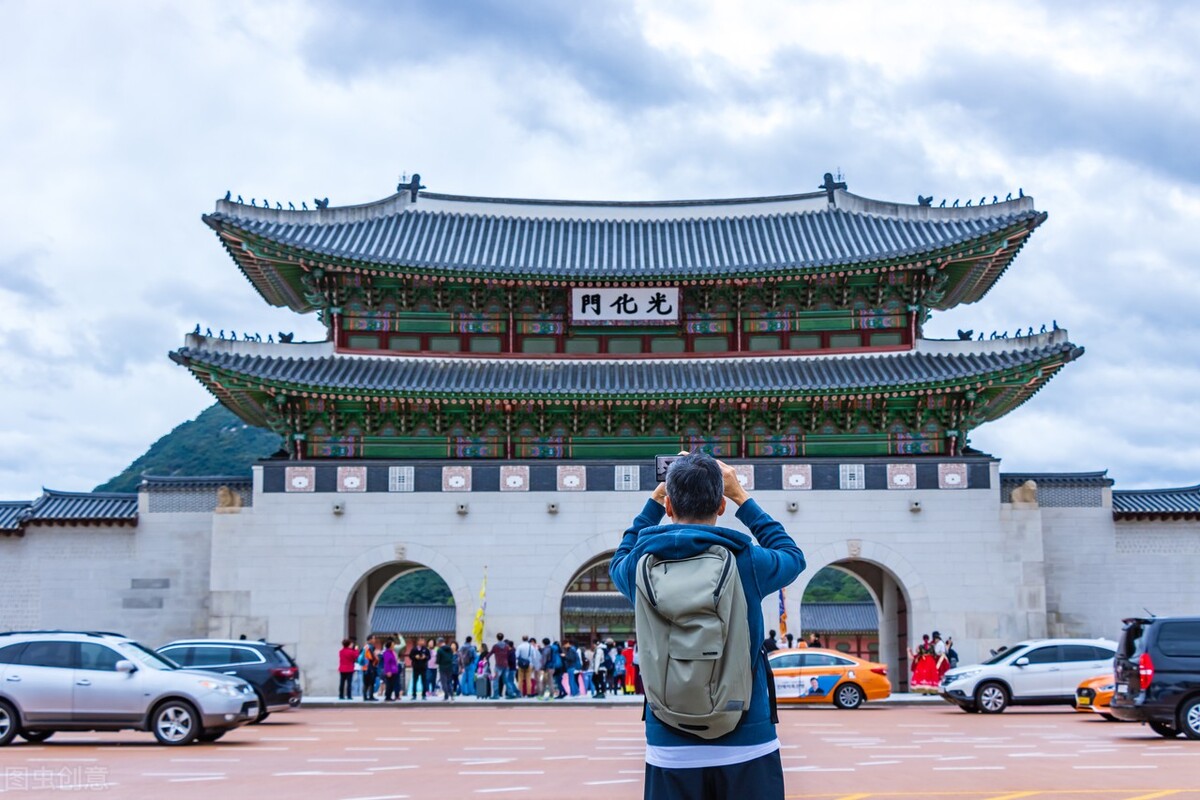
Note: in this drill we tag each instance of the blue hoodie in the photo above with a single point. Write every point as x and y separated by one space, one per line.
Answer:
764 569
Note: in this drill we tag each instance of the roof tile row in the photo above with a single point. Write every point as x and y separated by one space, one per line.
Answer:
608 249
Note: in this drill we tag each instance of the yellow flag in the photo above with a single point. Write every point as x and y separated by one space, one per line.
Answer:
477 631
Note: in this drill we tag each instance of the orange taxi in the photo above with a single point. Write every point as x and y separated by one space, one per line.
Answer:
1095 694
815 675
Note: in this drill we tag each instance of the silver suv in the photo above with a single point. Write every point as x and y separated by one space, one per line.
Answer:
1036 672
92 681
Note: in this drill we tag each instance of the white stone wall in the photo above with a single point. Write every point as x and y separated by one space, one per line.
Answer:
285 568
149 582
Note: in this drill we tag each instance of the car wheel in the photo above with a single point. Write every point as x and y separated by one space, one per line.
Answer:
1189 718
8 723
991 698
175 723
211 736
262 708
35 736
1163 730
848 696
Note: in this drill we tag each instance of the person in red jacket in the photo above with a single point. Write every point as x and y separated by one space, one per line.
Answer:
346 658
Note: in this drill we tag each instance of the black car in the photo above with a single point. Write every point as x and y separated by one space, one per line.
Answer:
1158 675
265 666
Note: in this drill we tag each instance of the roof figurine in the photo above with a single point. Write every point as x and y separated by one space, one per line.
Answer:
830 185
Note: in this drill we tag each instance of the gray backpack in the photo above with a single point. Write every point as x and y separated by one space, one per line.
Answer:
694 641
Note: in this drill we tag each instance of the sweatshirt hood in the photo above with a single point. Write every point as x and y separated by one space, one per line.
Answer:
684 540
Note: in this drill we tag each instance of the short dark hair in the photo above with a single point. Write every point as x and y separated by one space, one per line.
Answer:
695 486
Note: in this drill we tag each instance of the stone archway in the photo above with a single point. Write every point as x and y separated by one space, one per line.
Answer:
592 608
356 590
899 593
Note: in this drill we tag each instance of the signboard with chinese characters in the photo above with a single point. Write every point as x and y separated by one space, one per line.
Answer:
633 306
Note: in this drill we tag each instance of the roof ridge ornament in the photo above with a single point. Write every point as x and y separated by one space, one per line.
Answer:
830 185
411 186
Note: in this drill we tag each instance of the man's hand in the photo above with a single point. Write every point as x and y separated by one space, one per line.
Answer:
733 488
660 494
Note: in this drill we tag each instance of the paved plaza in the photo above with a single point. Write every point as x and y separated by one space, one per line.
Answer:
553 751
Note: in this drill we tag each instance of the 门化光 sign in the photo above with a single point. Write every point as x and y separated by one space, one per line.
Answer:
657 305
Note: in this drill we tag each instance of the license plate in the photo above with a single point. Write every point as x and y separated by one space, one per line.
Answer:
1120 688
1084 701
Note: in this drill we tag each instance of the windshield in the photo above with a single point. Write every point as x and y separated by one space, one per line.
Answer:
1003 653
145 657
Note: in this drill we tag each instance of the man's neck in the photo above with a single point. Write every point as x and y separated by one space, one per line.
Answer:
711 522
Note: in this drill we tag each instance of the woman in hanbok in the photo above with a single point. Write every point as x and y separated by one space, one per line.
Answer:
924 670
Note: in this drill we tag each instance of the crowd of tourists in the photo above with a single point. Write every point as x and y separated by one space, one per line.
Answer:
386 668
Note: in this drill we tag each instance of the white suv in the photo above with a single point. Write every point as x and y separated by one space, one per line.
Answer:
1036 672
90 681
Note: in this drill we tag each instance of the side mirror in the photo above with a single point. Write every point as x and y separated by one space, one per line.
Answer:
126 666
1021 662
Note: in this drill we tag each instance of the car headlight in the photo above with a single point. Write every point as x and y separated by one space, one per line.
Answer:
1109 688
961 676
221 687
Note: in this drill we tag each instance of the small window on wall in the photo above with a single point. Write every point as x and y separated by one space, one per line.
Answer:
710 344
404 343
623 345
841 340
843 647
761 343
666 344
888 338
445 344
485 344
804 341
363 342
539 344
586 344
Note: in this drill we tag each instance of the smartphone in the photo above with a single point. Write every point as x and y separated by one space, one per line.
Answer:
661 463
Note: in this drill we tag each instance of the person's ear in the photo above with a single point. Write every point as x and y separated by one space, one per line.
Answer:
721 508
667 506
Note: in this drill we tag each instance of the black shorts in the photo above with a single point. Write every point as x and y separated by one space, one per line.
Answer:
760 778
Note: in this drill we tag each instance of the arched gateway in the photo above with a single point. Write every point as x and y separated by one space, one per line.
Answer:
895 586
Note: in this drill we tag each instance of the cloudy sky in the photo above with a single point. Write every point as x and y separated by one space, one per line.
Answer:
121 123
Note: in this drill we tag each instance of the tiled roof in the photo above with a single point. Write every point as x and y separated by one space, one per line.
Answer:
839 617
1182 503
196 481
421 376
413 618
596 603
624 249
1057 478
69 507
12 513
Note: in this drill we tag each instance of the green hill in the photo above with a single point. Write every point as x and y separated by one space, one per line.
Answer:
214 443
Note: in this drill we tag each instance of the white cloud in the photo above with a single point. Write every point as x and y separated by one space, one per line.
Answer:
122 122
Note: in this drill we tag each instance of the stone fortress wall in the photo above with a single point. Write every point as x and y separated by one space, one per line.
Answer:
285 564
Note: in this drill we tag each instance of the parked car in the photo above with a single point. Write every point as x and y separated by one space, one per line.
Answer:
814 676
91 681
1158 675
1035 672
265 666
1094 695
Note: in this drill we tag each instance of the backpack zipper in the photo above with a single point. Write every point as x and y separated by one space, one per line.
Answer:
724 575
647 584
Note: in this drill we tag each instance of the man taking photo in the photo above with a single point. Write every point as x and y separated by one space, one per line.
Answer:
745 761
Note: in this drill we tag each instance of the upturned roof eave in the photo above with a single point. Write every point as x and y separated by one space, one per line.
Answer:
1046 365
225 225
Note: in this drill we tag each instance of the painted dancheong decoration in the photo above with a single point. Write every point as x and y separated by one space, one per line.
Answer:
481 328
